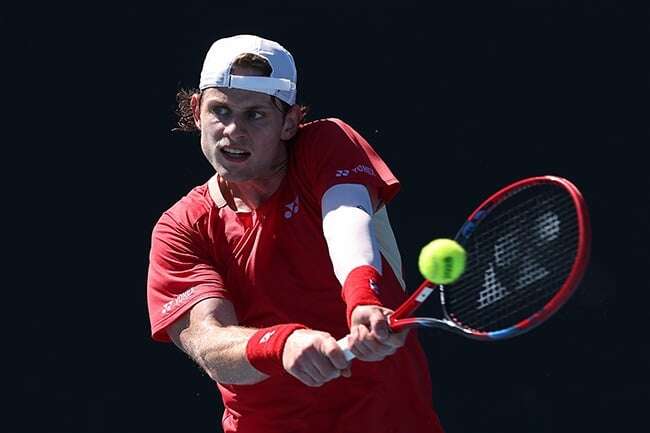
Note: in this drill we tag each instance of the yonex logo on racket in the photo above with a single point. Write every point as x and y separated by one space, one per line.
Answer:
494 290
508 252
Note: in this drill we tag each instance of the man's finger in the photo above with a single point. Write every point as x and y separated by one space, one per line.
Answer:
324 368
306 378
367 347
379 325
335 355
357 336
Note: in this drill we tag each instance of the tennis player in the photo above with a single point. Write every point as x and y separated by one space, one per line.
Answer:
256 273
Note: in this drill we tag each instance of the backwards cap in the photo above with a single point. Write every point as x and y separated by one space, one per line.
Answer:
222 54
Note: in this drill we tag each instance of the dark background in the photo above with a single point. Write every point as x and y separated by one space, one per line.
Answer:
459 100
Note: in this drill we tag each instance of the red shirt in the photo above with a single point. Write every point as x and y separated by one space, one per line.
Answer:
273 265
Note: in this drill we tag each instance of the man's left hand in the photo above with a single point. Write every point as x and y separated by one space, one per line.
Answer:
370 336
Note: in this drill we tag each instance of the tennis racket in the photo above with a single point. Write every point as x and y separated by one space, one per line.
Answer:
527 248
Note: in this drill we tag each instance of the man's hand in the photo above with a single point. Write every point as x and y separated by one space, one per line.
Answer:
314 357
370 337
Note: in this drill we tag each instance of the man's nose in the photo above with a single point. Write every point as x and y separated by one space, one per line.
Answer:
236 127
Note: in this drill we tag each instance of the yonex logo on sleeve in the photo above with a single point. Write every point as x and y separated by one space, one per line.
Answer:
361 168
364 169
177 301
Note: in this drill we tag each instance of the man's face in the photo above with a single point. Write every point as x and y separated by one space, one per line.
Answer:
242 133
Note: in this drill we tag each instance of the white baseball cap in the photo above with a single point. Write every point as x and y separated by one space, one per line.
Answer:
222 54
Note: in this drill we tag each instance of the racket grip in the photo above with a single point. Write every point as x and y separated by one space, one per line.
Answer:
345 347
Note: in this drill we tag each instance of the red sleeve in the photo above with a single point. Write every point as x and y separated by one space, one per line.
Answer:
181 273
334 153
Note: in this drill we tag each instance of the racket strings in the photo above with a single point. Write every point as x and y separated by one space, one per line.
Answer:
498 317
500 302
517 214
476 279
528 308
520 256
467 299
505 314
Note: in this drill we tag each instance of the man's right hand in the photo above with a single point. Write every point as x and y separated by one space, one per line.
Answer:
314 357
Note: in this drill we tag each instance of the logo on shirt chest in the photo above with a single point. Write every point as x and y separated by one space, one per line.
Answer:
292 208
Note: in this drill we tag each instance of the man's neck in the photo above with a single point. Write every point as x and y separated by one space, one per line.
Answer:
248 196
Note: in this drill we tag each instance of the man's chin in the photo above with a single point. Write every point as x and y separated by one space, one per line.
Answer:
231 175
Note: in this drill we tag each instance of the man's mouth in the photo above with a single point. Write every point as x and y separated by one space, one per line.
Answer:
232 154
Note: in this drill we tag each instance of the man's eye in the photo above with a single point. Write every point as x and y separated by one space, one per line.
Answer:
255 115
221 111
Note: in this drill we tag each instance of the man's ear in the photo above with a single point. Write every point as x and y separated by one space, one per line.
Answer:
195 104
291 121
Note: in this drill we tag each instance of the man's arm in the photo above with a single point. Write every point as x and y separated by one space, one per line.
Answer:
210 335
347 225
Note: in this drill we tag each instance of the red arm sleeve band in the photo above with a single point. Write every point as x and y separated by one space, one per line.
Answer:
265 348
361 288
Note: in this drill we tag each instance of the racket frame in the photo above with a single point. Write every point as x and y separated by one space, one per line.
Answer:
401 318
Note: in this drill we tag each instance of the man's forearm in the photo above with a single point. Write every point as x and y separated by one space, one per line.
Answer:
221 352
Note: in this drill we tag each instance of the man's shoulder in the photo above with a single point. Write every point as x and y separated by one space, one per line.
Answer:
329 125
325 134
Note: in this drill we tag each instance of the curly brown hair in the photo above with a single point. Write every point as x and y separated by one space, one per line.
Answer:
185 121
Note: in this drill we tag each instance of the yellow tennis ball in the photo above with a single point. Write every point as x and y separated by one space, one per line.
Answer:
442 261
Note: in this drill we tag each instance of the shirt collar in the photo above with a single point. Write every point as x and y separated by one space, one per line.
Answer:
215 192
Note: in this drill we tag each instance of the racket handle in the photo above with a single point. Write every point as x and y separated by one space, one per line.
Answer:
345 347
